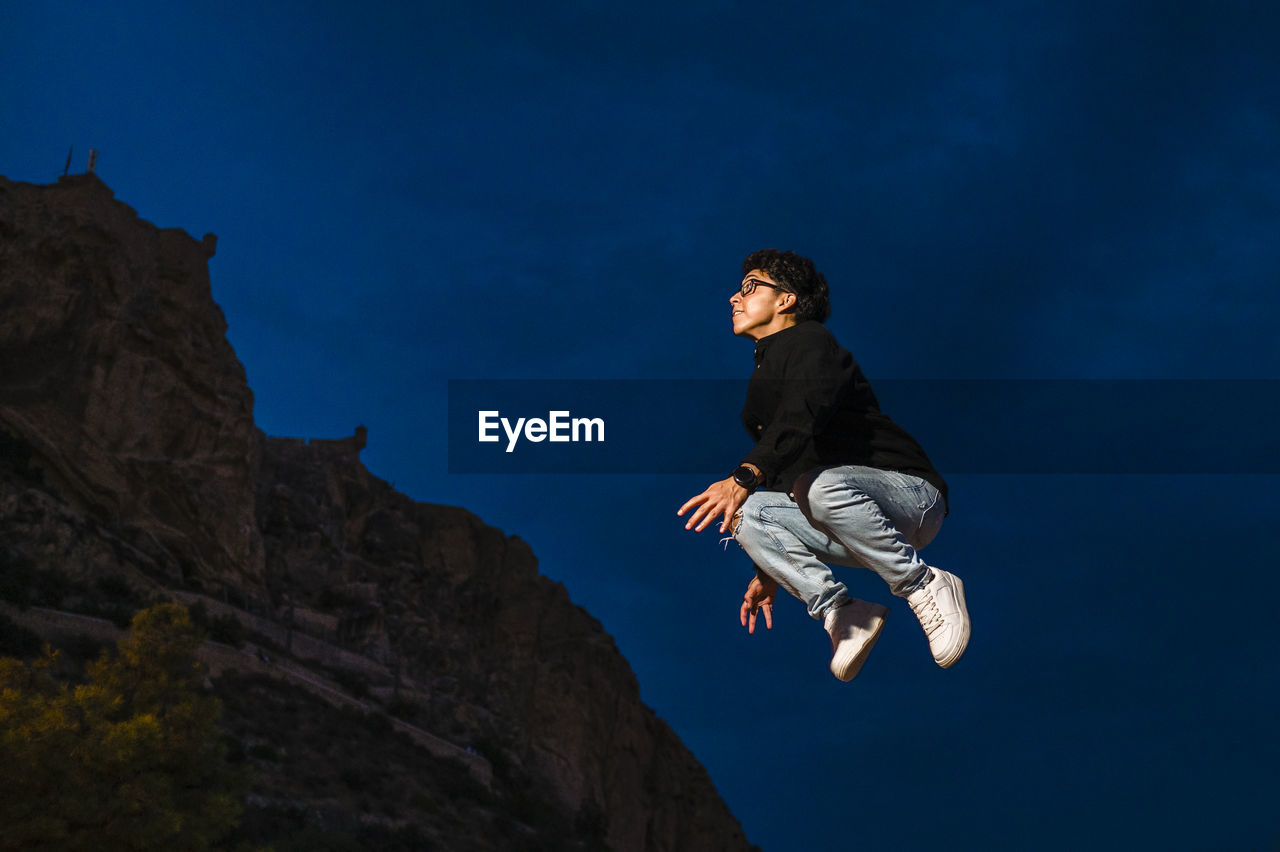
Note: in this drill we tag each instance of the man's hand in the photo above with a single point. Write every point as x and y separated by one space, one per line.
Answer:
761 592
722 498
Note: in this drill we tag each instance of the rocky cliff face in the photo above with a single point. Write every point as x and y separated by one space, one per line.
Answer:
115 368
128 450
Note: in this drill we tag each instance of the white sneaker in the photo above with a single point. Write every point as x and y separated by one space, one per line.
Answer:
854 629
942 613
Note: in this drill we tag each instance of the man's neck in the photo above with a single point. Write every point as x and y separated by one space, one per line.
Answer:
773 328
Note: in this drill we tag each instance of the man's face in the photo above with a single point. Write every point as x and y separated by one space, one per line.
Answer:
759 314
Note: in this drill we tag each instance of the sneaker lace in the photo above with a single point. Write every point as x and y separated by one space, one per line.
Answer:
926 609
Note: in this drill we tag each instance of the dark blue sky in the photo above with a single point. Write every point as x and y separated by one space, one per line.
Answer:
410 193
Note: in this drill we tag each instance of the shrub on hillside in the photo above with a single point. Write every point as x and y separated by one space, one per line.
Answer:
131 759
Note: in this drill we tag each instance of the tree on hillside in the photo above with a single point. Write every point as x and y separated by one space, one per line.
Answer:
130 759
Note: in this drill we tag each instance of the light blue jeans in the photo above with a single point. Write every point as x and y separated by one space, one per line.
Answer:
849 515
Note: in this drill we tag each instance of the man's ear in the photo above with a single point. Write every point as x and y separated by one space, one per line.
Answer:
787 301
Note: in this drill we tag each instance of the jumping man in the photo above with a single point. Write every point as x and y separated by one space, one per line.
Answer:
831 479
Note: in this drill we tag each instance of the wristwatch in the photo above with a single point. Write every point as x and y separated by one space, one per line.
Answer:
746 477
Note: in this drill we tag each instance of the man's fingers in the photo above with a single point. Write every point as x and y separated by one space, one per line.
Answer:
701 517
693 501
729 513
699 513
706 522
719 499
748 613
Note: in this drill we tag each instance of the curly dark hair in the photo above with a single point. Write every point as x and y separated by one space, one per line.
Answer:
797 274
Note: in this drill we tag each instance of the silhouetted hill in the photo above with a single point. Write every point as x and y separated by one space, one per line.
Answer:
406 678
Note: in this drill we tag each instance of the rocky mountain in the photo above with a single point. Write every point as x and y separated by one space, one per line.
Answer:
402 670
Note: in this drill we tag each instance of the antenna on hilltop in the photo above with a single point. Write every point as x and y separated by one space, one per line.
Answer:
67 167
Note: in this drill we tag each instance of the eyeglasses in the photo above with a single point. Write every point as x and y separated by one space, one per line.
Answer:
749 286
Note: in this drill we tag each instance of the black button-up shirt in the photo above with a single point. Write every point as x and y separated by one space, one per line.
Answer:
808 405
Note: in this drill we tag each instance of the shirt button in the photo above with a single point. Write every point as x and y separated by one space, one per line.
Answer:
759 428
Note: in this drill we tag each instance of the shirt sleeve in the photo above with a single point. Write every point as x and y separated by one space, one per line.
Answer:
812 379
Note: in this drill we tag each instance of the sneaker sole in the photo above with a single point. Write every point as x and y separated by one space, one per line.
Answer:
955 655
848 670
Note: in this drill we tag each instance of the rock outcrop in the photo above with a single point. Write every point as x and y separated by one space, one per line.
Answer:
115 368
128 451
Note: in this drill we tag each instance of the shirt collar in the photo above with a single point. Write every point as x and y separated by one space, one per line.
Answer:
763 344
